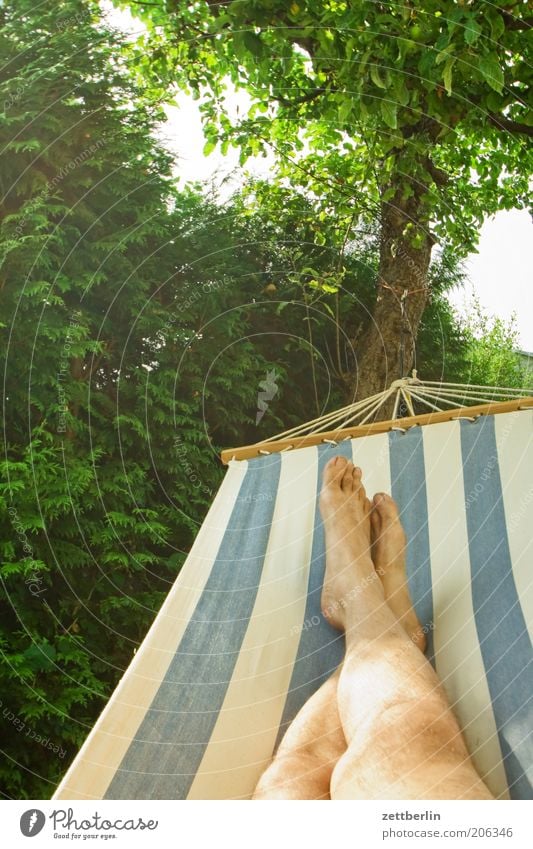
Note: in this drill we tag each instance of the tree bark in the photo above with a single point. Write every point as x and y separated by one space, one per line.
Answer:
386 350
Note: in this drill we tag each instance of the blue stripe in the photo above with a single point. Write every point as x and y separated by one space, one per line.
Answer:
162 760
503 637
321 647
408 484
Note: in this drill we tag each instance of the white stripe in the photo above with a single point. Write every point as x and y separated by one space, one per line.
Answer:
459 662
244 736
515 457
91 772
371 454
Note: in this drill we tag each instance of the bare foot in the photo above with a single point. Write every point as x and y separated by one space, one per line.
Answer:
345 511
388 553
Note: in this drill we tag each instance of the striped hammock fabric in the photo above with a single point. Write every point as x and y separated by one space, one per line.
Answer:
240 643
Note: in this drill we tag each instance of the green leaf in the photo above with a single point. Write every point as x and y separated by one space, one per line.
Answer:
345 109
388 112
472 32
426 63
363 62
497 23
401 92
253 43
40 657
375 76
444 54
491 70
209 147
447 74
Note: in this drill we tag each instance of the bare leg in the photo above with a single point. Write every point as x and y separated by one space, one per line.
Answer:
388 554
312 745
314 742
403 740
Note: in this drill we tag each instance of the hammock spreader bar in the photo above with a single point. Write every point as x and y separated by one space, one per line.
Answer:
291 440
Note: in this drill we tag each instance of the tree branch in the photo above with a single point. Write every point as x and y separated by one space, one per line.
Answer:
440 177
512 23
304 98
511 126
425 125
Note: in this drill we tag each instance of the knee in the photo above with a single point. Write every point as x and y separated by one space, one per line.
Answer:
270 780
425 726
345 777
293 776
413 740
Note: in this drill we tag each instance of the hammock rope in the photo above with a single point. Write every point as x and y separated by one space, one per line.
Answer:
430 394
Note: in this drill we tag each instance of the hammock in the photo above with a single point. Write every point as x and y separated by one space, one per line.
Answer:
240 643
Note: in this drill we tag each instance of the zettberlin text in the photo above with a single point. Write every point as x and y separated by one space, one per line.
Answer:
407 815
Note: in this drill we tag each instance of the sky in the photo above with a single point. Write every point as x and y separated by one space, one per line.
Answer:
500 274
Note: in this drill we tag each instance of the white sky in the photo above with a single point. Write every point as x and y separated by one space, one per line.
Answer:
500 274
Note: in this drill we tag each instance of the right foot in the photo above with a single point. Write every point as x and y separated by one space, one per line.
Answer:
388 553
345 511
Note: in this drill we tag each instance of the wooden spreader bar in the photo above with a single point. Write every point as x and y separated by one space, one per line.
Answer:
247 452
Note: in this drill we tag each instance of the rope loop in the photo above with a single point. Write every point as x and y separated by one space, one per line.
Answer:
263 451
330 441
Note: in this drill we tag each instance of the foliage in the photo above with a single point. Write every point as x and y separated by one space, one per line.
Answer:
107 469
384 95
138 324
416 116
492 350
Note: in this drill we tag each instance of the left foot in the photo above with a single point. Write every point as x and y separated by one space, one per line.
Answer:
388 553
345 511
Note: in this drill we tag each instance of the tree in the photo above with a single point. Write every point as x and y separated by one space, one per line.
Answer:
106 468
318 299
416 115
138 327
491 350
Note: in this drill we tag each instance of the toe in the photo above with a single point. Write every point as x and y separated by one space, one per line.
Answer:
347 478
386 507
334 472
375 521
357 483
390 525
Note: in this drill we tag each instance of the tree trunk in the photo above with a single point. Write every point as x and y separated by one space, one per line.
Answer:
387 349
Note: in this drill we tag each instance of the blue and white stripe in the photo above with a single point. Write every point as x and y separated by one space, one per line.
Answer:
240 643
